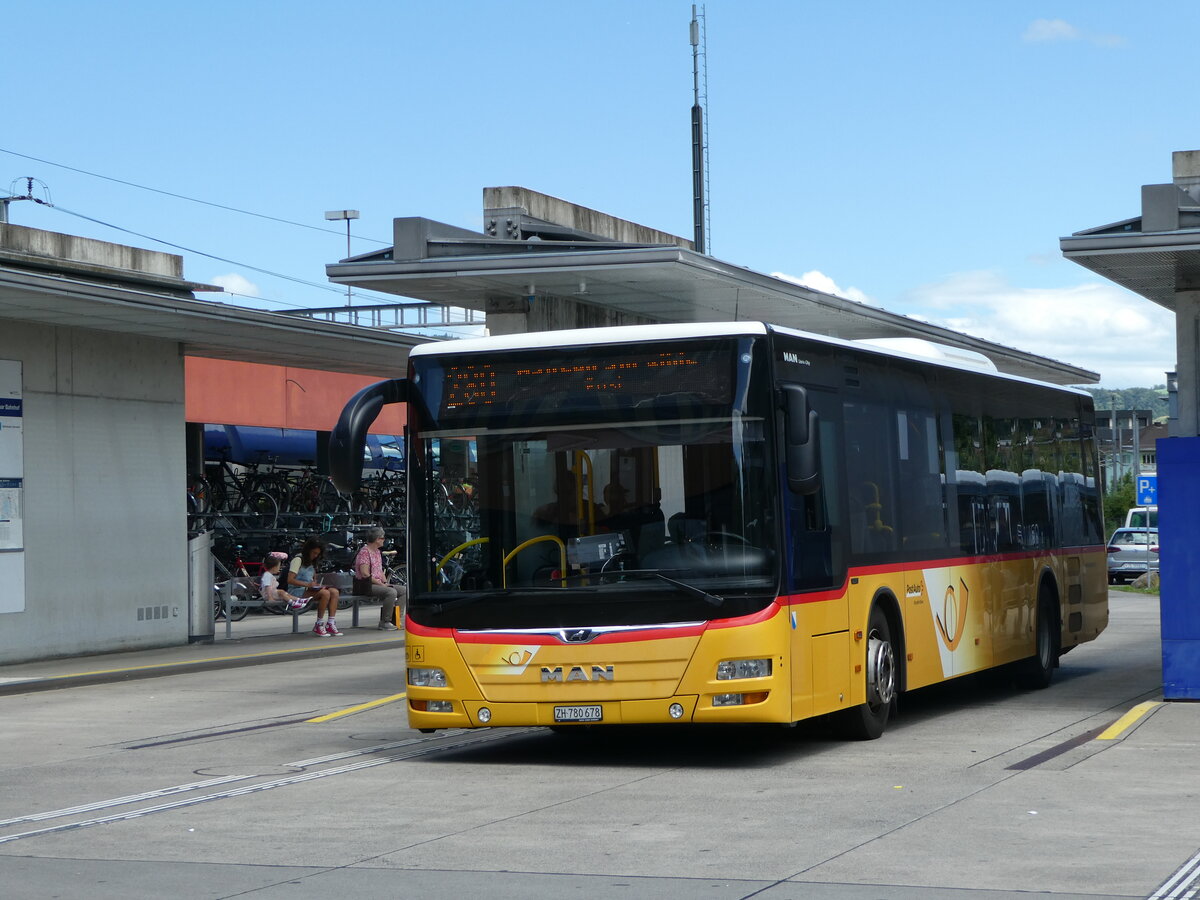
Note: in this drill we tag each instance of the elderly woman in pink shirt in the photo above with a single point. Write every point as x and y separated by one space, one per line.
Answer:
368 564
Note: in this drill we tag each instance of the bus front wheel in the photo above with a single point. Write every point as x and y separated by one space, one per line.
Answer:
868 721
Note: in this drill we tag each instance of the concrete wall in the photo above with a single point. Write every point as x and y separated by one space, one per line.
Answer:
499 201
105 525
57 248
507 315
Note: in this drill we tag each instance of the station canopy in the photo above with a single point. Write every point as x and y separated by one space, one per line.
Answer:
55 279
1153 264
540 262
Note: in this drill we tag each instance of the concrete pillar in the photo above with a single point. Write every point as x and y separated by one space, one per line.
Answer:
507 315
1187 356
1185 171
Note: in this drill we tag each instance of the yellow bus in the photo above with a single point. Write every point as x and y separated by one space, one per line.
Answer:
719 523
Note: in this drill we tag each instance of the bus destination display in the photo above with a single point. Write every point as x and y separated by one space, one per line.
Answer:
474 384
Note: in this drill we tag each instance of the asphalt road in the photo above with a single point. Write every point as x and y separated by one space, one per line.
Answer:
275 781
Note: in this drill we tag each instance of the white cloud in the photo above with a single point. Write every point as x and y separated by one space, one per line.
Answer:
819 281
1041 30
234 283
1127 339
1045 31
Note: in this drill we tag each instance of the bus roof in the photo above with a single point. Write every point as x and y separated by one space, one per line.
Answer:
922 351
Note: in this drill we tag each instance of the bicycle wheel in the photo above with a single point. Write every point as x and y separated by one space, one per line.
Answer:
218 496
237 610
263 510
199 495
391 504
397 575
331 500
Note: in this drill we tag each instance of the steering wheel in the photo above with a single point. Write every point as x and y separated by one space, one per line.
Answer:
718 538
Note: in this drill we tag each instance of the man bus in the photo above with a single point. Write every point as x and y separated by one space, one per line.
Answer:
731 523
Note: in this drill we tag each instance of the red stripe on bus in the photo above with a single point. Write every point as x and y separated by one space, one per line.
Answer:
763 615
894 568
612 637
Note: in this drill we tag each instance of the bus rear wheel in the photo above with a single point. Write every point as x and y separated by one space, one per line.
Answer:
1034 673
868 721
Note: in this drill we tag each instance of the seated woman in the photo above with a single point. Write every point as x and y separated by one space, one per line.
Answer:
302 583
368 572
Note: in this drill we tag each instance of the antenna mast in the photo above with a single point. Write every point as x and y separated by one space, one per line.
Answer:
699 131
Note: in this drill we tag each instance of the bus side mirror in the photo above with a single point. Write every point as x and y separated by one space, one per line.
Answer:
800 432
349 435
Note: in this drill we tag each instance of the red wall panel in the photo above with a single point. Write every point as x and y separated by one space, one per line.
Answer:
224 392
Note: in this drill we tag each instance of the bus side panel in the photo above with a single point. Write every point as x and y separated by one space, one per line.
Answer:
1012 601
820 653
924 660
946 622
1082 577
830 654
1092 605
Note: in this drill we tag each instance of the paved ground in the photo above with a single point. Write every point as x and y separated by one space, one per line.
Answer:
204 772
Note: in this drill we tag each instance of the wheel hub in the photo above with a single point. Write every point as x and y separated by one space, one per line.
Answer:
881 671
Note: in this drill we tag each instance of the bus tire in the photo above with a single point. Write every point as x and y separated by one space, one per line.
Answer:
868 721
1034 673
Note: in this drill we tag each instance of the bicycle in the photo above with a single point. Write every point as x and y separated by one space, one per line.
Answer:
232 493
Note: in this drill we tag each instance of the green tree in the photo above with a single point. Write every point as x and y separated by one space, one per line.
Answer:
1118 501
1153 399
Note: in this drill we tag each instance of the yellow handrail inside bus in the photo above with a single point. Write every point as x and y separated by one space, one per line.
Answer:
583 465
562 555
457 550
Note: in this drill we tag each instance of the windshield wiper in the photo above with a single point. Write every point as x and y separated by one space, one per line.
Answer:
479 596
714 599
466 600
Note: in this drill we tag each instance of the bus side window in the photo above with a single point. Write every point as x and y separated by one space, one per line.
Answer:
920 481
870 435
815 521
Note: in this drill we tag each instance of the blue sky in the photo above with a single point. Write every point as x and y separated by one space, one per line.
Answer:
924 157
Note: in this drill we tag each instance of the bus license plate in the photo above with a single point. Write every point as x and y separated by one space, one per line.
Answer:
578 714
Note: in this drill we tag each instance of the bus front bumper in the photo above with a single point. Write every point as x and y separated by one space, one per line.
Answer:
762 707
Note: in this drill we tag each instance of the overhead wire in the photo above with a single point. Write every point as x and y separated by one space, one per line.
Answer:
388 298
232 262
143 187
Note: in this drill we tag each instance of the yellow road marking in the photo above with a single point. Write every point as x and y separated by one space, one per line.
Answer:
192 662
1123 724
359 708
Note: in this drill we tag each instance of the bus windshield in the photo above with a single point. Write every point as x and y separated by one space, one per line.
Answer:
622 520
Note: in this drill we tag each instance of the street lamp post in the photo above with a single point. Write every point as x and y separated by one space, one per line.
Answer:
338 215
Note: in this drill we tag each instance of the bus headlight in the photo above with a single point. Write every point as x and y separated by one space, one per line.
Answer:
739 699
427 677
730 669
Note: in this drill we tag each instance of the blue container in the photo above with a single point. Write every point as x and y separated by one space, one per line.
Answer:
1179 565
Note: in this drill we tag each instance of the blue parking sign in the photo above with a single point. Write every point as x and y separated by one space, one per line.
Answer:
1147 490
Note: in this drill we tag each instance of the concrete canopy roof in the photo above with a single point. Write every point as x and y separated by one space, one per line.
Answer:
668 283
1154 265
156 304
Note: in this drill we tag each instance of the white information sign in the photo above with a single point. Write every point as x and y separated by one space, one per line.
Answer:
12 488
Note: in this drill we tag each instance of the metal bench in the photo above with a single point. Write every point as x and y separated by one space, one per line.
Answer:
344 582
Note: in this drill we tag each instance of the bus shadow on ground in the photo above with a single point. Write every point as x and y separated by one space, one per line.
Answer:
744 746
